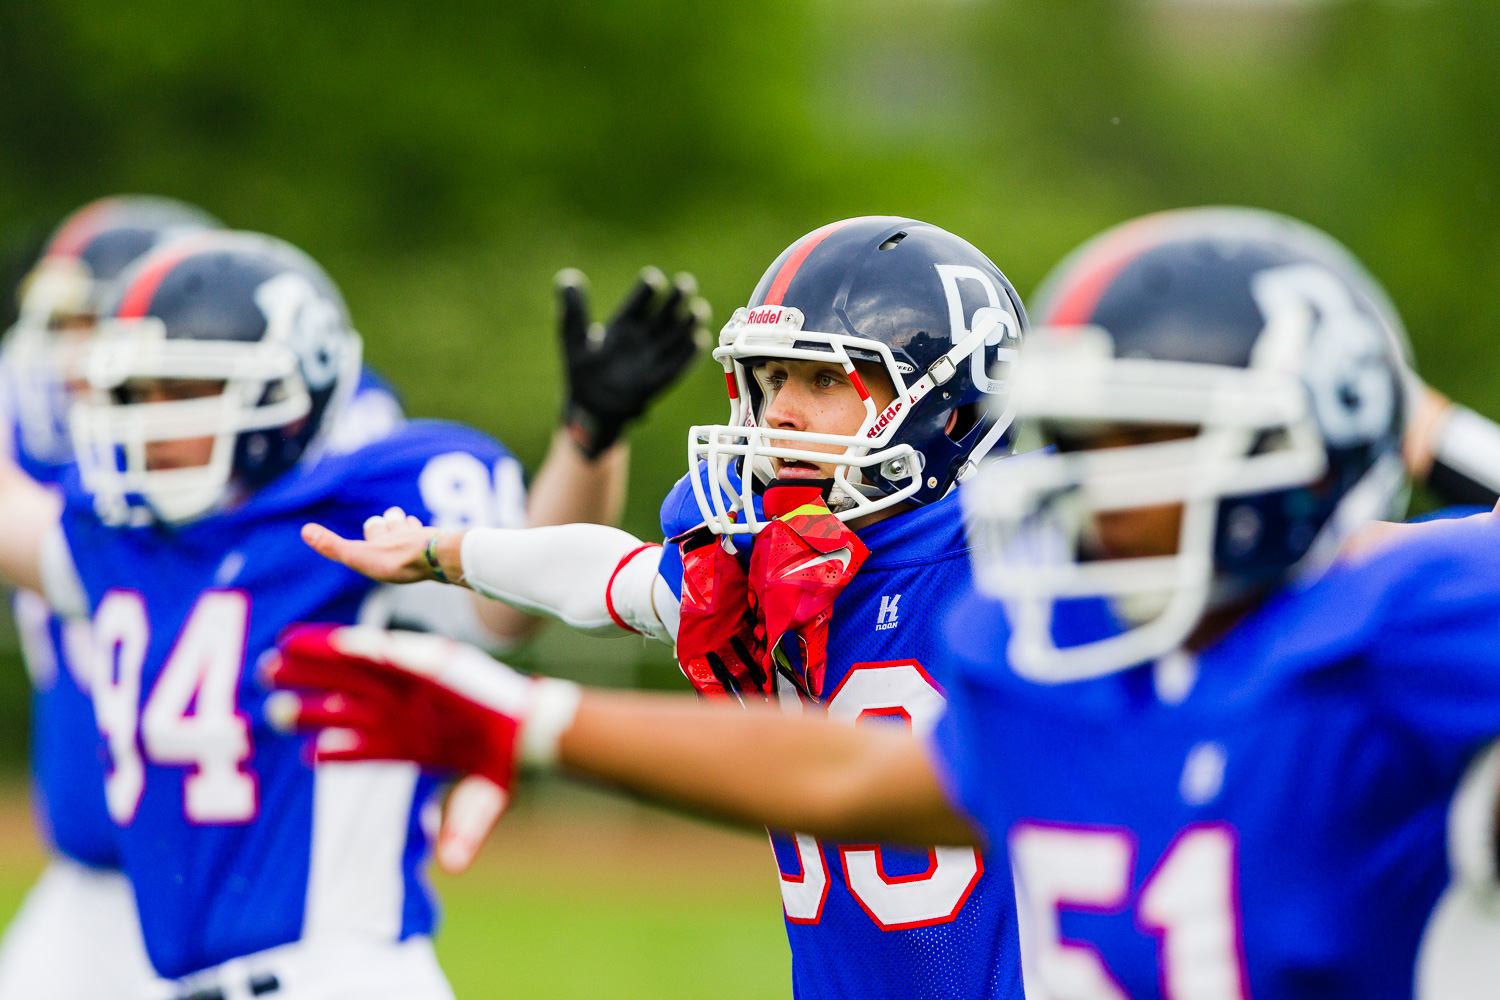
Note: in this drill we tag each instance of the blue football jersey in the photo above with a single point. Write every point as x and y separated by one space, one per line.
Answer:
1273 826
234 843
871 920
67 774
67 758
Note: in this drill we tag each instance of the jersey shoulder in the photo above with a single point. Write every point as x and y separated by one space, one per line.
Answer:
1415 588
445 473
922 536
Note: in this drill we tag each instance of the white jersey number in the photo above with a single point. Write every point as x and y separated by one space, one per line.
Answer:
1187 903
897 691
189 720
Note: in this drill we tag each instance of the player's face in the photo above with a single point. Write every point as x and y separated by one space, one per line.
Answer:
176 453
1133 532
817 396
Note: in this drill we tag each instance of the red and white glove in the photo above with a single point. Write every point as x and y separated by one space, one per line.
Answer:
413 696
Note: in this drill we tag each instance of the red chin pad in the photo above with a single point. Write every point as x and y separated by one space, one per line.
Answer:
782 496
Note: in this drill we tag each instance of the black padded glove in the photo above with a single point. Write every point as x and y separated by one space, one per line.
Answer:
615 370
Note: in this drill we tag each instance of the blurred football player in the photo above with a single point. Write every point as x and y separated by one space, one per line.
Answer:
208 433
811 555
1219 757
77 934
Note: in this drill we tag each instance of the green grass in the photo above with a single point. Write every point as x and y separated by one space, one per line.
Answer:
578 897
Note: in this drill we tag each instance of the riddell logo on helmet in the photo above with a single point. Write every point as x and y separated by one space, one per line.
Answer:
885 418
764 316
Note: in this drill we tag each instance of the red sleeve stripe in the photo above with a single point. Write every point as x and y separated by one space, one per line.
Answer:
609 601
788 270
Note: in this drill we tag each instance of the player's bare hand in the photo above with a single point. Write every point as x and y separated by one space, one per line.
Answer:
394 549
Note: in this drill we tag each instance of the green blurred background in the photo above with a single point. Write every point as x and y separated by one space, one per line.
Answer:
443 160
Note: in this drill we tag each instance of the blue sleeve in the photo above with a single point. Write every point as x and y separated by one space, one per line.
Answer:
1449 513
371 380
1434 656
680 513
969 660
954 748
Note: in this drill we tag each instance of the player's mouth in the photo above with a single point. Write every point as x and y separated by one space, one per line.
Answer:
791 469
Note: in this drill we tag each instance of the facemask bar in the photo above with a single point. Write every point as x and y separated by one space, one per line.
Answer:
774 332
42 358
1029 515
110 437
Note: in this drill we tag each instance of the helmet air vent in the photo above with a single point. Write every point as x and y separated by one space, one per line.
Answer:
888 244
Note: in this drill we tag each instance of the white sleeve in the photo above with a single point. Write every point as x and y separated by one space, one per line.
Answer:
61 585
1466 463
592 577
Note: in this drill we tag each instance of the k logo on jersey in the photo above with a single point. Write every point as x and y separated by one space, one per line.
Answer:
887 618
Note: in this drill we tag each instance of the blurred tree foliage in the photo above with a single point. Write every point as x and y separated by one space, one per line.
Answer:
444 160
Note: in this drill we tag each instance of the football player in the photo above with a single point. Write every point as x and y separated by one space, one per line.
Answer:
866 380
1220 759
209 431
77 934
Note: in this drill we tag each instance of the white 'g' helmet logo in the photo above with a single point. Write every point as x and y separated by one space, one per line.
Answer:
309 323
1338 350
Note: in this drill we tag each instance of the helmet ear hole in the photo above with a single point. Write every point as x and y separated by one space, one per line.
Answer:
963 419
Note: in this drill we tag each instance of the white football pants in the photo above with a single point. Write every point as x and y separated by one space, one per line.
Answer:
76 937
327 969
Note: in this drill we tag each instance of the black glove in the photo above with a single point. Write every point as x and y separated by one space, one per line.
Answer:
615 370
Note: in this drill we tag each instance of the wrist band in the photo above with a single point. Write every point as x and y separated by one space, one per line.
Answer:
430 554
554 704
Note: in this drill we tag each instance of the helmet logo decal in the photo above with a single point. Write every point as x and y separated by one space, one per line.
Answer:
307 322
951 275
1314 325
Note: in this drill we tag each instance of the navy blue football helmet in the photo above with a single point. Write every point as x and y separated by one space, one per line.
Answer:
1276 366
60 297
257 339
930 309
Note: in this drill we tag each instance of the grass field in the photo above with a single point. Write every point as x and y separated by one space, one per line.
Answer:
576 896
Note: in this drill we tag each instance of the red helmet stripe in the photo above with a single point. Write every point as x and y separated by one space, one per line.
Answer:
136 299
789 270
734 389
1098 270
81 228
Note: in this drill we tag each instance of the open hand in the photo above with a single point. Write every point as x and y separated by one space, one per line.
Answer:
393 551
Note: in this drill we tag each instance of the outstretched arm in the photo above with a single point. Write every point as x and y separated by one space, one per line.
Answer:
614 371
591 577
29 513
832 780
405 696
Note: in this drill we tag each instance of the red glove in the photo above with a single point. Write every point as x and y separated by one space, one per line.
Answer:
721 645
377 695
732 620
802 561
